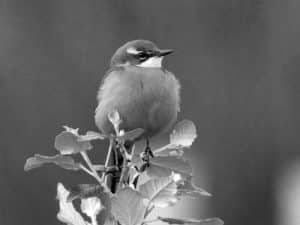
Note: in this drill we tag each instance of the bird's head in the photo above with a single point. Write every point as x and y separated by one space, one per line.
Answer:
140 53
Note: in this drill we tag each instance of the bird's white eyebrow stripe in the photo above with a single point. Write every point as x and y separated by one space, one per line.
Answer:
132 51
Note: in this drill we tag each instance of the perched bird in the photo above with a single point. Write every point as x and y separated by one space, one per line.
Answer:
143 93
137 86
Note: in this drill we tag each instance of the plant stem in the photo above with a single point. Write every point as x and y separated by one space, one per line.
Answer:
95 174
125 168
94 220
86 170
151 221
162 148
108 156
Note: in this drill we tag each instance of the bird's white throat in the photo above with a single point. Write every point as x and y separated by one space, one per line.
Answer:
152 62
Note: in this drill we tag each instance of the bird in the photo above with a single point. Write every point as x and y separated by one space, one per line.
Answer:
140 89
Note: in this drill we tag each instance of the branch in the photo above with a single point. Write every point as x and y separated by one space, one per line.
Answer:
125 168
151 221
86 170
92 170
108 156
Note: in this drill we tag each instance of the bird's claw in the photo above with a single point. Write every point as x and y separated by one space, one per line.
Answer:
146 156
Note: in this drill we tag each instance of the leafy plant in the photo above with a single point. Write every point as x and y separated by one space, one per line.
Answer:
144 181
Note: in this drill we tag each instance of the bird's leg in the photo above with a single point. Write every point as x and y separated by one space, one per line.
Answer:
116 154
148 148
147 154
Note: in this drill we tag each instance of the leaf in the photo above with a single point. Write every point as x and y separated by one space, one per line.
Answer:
91 135
131 135
188 188
209 221
163 166
115 119
91 207
67 213
71 130
110 220
184 134
129 207
161 192
142 178
85 191
67 142
169 150
66 162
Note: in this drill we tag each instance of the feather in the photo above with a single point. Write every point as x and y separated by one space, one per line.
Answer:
146 98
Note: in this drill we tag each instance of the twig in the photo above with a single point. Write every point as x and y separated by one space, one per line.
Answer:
148 211
99 167
125 169
162 148
93 171
107 158
86 170
102 168
151 221
94 220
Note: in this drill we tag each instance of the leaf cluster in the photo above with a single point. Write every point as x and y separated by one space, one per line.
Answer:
158 182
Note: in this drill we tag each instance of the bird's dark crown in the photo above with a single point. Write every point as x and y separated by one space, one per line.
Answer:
136 52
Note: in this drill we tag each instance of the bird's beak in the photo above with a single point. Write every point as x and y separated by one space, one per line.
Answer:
164 52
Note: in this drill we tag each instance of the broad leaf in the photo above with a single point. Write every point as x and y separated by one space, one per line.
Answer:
67 142
184 134
142 178
188 188
91 135
169 150
131 135
163 166
136 160
85 191
67 213
129 206
161 192
209 221
91 207
66 162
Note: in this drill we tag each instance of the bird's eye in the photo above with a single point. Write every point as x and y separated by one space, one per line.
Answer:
142 55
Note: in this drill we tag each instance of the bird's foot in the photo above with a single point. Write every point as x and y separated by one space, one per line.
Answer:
147 154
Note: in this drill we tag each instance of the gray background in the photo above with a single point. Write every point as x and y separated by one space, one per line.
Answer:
237 60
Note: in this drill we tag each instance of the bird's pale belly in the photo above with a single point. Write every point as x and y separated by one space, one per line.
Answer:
144 102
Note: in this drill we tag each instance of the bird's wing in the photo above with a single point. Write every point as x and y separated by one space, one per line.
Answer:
177 87
110 71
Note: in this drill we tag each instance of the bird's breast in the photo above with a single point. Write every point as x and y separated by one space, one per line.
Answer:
145 98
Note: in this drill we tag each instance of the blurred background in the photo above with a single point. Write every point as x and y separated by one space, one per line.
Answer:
238 62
